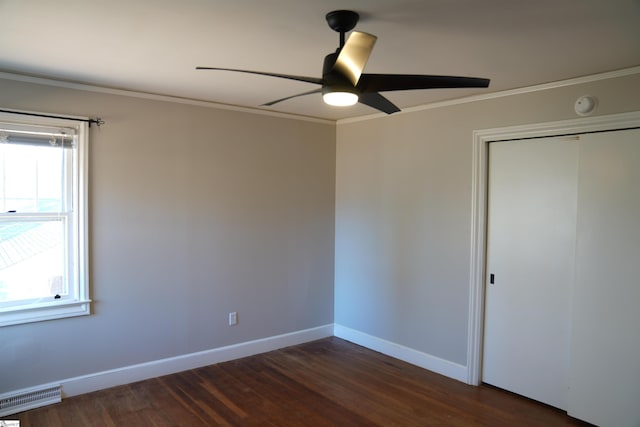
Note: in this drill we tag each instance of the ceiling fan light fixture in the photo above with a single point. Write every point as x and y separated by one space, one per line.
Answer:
340 99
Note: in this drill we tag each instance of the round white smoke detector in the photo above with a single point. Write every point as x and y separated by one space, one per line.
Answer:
585 105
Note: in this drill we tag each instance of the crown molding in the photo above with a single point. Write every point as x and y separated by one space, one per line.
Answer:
207 104
504 93
155 97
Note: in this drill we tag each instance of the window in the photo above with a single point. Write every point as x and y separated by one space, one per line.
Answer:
43 219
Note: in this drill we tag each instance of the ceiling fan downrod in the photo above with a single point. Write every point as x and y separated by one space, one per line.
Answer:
342 21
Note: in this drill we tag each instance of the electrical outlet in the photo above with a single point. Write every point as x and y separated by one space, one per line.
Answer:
233 318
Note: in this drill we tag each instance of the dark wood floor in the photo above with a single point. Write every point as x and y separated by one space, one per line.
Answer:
329 382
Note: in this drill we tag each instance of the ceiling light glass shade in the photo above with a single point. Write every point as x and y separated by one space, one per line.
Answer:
340 99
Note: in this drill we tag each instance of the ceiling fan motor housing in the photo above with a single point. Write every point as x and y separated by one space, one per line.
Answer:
334 81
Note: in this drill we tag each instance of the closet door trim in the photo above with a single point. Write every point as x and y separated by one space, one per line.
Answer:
481 140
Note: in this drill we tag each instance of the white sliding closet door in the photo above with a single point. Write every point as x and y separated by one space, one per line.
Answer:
530 254
605 345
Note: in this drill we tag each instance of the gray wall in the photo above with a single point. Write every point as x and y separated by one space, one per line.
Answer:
403 212
194 212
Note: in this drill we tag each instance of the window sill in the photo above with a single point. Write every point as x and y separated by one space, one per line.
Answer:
45 311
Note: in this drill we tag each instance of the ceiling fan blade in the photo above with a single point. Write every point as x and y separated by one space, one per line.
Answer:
388 82
377 101
292 96
262 73
354 55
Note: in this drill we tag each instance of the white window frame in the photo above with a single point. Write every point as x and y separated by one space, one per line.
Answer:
77 303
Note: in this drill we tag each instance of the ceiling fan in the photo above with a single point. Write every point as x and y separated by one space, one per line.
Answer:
343 82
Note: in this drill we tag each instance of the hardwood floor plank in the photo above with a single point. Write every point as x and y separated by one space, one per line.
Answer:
329 382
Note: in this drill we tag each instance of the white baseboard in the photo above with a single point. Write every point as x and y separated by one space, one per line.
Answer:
128 374
406 354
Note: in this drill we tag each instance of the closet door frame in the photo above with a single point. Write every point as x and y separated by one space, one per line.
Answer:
481 140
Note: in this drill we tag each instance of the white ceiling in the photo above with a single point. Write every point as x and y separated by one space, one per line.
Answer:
154 46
